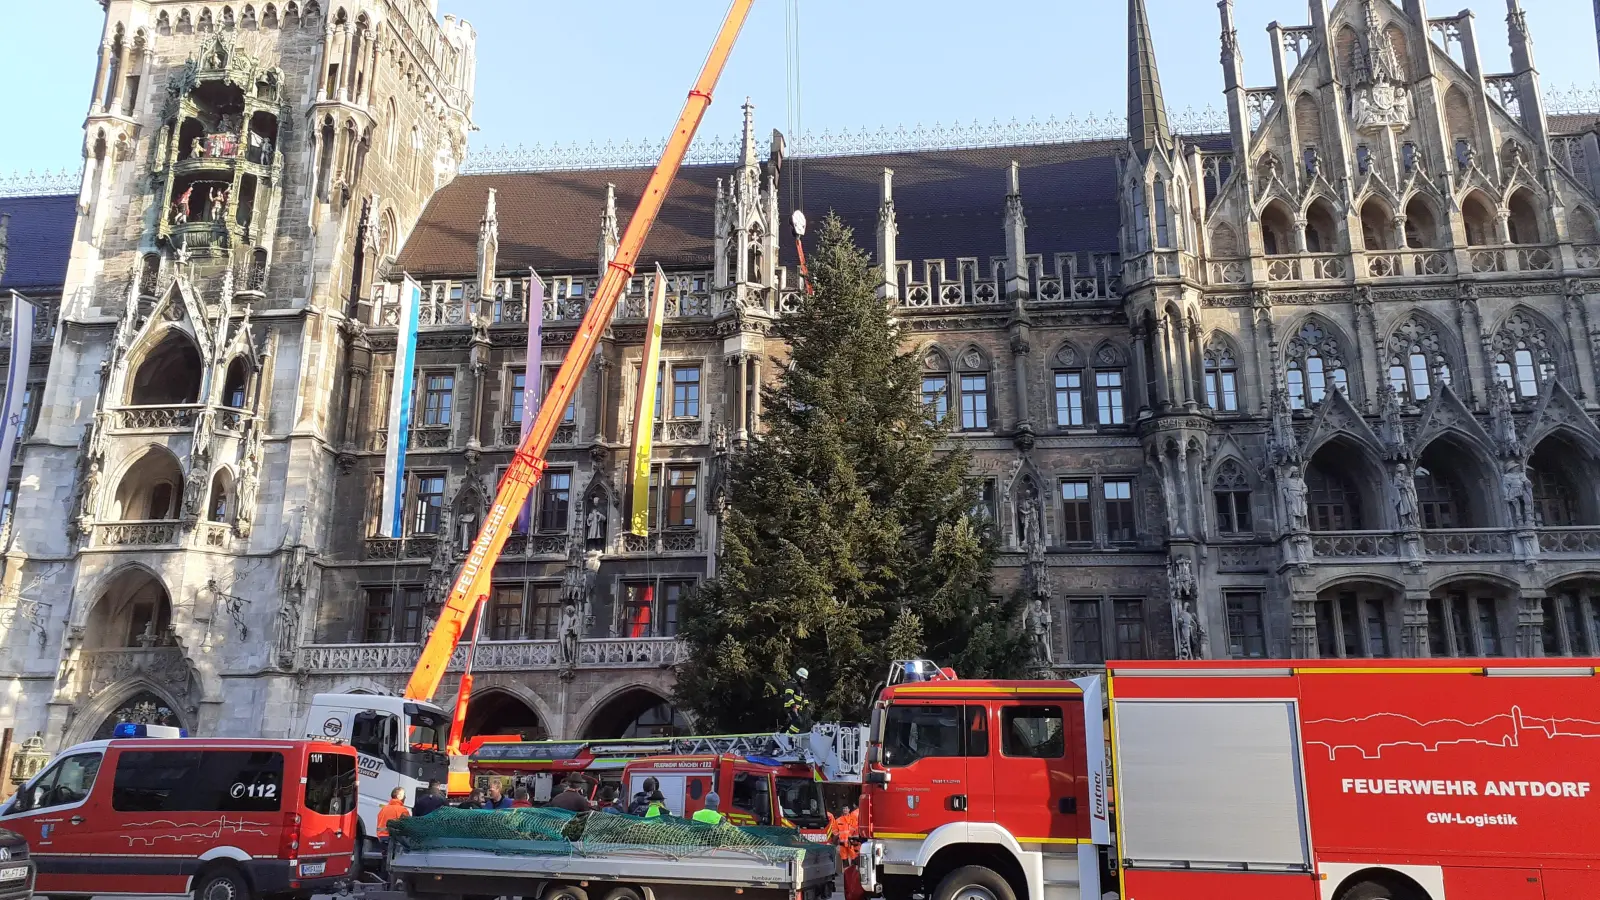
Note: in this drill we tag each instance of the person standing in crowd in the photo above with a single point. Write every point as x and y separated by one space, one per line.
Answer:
711 814
658 805
573 797
431 799
394 809
497 798
610 802
474 800
520 799
641 800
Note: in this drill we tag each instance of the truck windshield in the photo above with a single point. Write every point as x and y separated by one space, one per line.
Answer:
801 802
911 733
428 732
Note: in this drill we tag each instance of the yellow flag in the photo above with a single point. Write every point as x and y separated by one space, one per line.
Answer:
644 407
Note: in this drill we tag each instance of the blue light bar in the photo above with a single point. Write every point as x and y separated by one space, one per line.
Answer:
141 730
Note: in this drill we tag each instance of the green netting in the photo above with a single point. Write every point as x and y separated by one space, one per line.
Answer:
557 832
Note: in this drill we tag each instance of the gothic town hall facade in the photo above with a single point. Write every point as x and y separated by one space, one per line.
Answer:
1317 381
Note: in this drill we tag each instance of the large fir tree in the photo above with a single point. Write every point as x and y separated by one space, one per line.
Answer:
849 538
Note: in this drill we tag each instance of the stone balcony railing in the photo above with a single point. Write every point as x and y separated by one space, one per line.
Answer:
566 434
1449 542
168 417
101 669
150 533
1409 264
492 656
423 546
668 541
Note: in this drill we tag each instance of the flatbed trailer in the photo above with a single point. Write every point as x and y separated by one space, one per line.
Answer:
619 874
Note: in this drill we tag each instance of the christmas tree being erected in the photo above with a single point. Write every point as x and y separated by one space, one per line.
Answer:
849 539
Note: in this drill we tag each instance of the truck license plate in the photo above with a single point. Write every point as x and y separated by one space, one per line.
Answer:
13 873
309 869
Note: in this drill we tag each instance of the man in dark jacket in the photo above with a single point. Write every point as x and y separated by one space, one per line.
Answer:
574 798
430 801
641 801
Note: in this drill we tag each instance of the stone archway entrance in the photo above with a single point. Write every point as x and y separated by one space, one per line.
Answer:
145 708
636 712
498 712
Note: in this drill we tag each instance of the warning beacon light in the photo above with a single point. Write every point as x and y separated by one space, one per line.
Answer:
908 671
141 730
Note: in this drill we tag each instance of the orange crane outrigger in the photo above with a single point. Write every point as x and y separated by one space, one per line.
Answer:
528 464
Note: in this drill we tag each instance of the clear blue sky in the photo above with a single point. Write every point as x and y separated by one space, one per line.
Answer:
597 70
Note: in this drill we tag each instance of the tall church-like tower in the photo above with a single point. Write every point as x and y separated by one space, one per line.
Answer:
250 170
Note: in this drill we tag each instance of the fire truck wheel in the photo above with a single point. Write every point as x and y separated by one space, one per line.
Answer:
222 883
974 883
624 893
565 892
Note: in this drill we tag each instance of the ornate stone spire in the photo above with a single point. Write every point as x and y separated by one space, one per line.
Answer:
488 247
610 233
5 226
1016 228
888 231
1147 110
747 156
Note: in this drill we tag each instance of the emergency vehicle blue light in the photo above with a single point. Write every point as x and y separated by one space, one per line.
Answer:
763 761
139 730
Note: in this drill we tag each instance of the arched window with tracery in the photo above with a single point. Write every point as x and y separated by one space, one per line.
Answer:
1418 364
1141 220
1231 494
1315 365
1438 498
1222 376
1524 355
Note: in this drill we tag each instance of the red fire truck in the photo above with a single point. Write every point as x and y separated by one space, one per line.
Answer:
1328 780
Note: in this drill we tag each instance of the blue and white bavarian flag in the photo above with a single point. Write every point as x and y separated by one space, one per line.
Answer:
16 378
392 523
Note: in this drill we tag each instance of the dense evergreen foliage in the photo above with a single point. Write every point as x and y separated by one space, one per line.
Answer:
850 537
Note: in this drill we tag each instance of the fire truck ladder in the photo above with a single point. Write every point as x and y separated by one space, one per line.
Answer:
835 751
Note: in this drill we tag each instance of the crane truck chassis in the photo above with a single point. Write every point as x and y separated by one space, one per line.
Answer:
1306 780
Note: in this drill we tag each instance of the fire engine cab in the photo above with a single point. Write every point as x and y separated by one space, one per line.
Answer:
1332 780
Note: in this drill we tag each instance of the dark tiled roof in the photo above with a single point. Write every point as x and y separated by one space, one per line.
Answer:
40 240
949 203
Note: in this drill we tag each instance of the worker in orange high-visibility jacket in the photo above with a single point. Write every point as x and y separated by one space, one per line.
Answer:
841 831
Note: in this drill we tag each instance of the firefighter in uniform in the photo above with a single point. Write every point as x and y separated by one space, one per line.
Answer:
795 705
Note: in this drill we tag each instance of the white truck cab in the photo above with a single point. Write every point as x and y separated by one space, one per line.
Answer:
398 742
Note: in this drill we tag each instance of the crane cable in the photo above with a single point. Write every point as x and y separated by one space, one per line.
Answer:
795 124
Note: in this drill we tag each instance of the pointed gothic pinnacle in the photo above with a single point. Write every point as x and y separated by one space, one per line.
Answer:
1147 110
886 190
748 155
1014 180
5 227
489 208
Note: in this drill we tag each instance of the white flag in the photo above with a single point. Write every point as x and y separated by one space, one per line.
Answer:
394 459
16 378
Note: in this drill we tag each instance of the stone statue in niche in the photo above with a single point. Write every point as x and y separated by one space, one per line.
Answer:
1519 493
1405 496
1293 488
595 532
1187 640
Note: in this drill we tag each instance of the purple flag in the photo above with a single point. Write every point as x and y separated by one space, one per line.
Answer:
533 374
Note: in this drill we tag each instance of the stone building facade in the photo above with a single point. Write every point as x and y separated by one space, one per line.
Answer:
1321 382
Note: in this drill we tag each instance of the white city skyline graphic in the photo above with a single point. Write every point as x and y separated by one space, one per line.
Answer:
1504 736
208 831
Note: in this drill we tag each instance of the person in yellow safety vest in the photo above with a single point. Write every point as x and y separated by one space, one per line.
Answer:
711 814
658 806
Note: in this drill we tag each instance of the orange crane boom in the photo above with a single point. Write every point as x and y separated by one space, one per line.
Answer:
528 464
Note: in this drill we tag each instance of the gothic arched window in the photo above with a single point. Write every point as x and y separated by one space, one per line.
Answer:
1438 498
1417 360
1524 355
1335 502
1141 220
1231 492
1163 235
1222 376
1315 365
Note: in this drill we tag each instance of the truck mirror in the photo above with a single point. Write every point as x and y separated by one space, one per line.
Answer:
878 779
